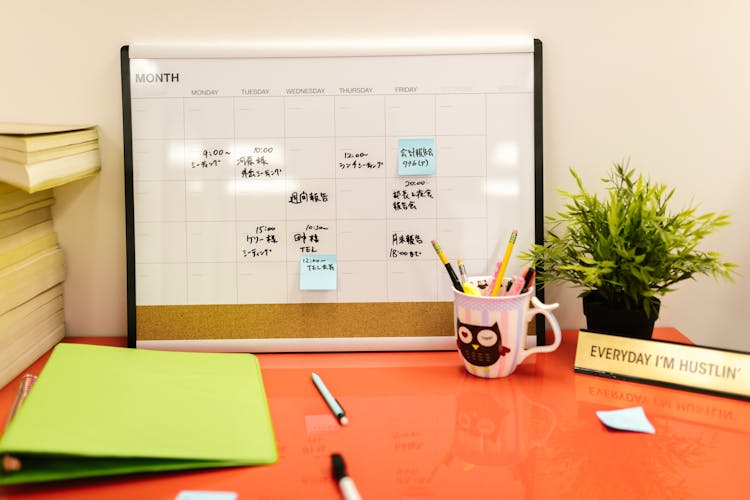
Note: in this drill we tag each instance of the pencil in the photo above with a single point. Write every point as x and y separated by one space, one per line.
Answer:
506 259
448 267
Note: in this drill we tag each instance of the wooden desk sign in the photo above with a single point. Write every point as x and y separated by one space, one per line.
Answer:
696 368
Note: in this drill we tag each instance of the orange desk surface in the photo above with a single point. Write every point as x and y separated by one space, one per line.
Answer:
422 428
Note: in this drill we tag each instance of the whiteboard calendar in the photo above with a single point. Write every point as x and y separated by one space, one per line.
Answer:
260 177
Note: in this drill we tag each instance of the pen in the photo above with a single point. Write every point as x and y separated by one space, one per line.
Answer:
462 271
24 387
346 484
9 463
448 267
494 277
506 259
471 289
529 279
518 284
467 286
334 405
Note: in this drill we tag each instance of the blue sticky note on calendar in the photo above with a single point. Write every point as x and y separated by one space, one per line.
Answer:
416 156
317 271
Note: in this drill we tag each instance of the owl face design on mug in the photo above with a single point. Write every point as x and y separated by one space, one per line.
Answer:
480 345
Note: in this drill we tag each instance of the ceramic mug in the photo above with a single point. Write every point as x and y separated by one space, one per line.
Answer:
491 331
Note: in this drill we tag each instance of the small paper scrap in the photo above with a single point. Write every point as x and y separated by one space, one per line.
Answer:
627 419
206 495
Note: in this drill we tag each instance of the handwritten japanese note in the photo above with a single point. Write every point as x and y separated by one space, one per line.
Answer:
416 156
317 272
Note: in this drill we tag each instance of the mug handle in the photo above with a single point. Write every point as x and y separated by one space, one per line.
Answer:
546 310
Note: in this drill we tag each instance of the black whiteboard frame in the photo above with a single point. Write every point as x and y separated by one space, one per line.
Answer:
127 146
129 184
538 174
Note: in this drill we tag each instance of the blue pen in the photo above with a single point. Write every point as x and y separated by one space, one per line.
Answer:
334 405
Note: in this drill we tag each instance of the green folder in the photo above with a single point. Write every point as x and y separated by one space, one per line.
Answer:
98 410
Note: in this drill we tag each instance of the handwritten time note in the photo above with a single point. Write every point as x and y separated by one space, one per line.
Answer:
317 272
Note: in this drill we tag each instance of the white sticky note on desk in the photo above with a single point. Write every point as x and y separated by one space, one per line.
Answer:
627 419
416 156
206 495
317 271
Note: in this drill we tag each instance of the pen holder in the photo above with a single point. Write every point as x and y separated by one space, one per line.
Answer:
491 331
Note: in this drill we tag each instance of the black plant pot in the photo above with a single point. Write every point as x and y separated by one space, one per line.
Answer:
603 318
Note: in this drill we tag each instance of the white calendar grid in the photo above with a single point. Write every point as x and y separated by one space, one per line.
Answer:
230 189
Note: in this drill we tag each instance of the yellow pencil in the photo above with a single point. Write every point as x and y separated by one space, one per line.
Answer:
504 265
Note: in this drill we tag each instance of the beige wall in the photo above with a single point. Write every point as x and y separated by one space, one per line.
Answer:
665 83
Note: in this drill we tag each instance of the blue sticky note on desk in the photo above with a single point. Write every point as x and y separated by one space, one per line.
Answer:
627 419
416 156
317 271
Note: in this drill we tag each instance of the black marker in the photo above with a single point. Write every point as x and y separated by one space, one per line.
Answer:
346 484
529 277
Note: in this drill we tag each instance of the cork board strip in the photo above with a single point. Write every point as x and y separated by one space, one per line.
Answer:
288 321
297 321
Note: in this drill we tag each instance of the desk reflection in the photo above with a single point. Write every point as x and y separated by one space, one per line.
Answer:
422 428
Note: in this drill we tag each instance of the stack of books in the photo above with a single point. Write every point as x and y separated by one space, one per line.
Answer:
32 271
35 157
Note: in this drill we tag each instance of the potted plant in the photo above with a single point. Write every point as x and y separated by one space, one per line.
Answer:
625 250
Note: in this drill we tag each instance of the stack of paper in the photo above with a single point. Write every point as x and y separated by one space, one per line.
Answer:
98 410
35 157
32 270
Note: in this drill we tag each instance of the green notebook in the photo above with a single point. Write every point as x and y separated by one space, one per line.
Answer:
97 410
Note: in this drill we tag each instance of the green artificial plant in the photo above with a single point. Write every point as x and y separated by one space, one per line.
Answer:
626 249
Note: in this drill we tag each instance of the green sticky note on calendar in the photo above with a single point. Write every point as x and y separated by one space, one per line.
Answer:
416 156
317 271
